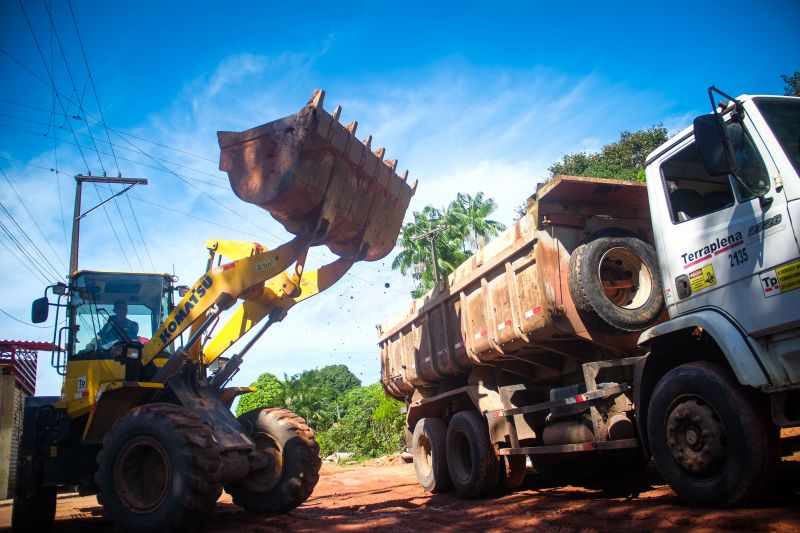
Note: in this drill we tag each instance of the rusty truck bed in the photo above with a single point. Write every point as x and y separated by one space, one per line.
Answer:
509 304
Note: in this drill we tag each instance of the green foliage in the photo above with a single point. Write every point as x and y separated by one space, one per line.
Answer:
622 159
372 425
312 394
269 392
792 87
456 232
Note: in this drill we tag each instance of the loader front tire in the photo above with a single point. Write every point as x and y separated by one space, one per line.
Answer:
159 470
294 463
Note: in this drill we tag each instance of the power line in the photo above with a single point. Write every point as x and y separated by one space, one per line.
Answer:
33 262
24 206
159 168
22 321
53 270
32 121
118 132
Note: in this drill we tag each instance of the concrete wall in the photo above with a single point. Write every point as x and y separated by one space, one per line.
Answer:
12 404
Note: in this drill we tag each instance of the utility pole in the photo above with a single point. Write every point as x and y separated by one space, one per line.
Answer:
76 219
430 236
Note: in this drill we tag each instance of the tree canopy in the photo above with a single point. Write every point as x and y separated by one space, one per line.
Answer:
792 87
456 232
345 416
623 159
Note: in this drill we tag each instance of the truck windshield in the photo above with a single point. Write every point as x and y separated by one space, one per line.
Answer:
783 117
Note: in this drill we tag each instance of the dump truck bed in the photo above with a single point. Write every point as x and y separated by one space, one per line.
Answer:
509 305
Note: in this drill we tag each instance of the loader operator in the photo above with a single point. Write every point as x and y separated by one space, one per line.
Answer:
109 333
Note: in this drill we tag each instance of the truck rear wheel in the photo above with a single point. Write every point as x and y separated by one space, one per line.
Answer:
159 470
294 463
615 284
430 459
711 440
471 460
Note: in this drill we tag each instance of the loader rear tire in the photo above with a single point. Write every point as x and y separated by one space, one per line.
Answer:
430 458
159 470
294 457
615 284
34 505
471 459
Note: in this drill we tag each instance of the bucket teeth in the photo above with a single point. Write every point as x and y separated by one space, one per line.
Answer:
405 175
368 141
317 98
336 113
352 127
391 163
379 153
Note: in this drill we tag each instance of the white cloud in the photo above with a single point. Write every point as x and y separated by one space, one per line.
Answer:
456 127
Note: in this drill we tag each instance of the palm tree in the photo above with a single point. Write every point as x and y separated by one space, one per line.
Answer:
464 228
467 215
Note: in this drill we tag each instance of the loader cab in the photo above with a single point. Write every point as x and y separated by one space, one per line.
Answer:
95 295
90 354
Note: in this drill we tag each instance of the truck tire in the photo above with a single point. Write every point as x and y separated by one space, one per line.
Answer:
430 459
711 439
34 504
158 470
471 460
615 284
294 472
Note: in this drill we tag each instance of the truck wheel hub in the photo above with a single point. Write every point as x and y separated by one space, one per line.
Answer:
625 279
143 475
696 437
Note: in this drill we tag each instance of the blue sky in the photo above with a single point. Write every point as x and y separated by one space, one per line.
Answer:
468 96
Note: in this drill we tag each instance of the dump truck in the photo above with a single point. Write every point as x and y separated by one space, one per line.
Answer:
618 321
144 419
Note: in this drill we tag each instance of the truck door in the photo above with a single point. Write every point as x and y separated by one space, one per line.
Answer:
721 241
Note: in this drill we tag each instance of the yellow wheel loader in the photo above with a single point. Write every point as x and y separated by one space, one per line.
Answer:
146 424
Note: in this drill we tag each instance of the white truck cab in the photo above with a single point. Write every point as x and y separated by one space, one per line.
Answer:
723 373
729 247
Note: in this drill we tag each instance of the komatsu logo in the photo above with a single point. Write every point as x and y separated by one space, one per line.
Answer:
712 248
197 294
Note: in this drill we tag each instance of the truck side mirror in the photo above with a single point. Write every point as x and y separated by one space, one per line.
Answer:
39 310
714 145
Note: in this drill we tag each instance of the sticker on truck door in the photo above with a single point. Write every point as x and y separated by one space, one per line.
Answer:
702 278
783 279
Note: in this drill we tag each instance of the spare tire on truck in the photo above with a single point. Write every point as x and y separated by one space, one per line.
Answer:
615 283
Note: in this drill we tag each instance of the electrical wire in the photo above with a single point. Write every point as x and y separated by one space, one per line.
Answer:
35 223
53 270
22 321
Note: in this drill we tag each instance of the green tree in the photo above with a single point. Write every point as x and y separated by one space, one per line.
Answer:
372 425
792 87
623 159
314 394
270 392
468 216
456 232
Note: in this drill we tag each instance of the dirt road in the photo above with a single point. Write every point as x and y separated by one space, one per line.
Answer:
388 497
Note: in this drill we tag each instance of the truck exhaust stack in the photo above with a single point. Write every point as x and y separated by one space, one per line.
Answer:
318 180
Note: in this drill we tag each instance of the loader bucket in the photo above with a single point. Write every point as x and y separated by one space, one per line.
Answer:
319 181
